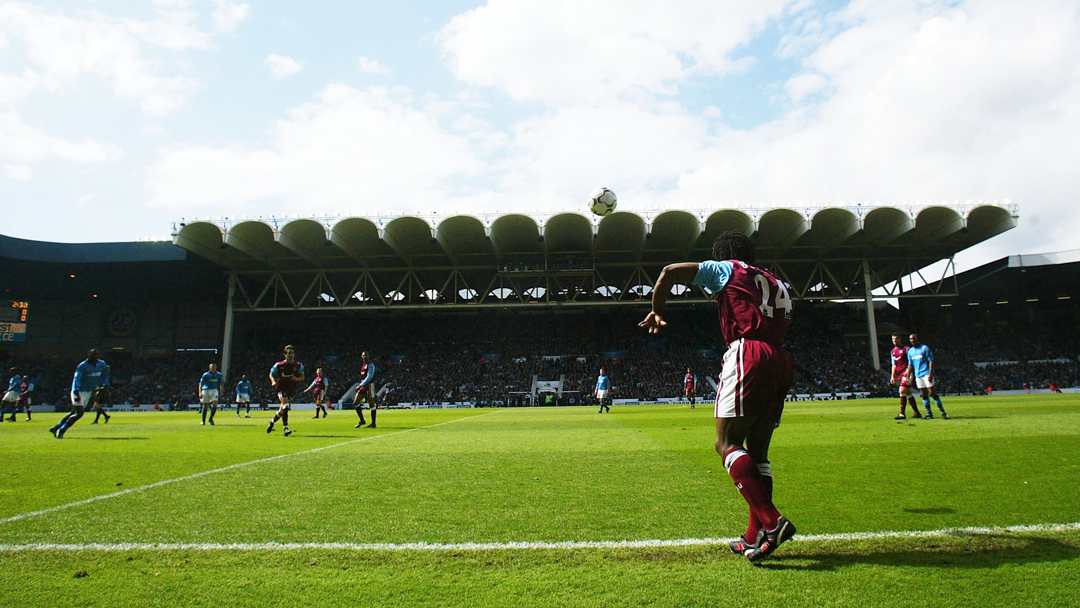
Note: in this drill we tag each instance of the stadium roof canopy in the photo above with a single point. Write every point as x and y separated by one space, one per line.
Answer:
1041 278
571 258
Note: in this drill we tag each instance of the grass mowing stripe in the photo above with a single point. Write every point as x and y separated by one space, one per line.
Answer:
223 469
603 544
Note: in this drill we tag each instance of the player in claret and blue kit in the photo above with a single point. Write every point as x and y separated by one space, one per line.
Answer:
318 387
755 311
285 377
365 392
901 374
690 387
921 359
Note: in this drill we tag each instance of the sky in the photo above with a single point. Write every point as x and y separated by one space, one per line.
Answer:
118 118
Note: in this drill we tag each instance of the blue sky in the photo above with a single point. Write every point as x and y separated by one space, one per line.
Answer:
117 117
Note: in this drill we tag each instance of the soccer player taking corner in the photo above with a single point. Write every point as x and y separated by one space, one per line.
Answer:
755 311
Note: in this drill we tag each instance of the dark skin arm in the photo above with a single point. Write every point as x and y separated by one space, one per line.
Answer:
672 275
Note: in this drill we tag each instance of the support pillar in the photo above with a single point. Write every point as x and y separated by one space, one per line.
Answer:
226 347
871 321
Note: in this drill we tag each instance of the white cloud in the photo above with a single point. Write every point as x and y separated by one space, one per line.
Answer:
87 199
228 15
16 88
928 102
372 67
20 173
61 49
802 85
568 51
568 152
22 143
282 67
348 150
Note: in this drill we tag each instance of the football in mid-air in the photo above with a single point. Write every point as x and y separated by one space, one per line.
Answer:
602 202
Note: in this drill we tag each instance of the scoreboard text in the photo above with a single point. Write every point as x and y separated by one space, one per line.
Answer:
13 321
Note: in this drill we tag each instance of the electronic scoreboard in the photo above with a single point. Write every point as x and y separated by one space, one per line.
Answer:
13 321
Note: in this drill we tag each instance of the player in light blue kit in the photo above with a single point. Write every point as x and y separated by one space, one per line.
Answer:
91 380
603 385
11 396
209 386
243 396
921 359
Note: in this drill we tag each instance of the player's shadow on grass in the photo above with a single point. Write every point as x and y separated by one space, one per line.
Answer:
325 437
960 551
116 438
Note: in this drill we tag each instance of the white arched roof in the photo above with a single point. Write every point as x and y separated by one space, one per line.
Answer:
477 245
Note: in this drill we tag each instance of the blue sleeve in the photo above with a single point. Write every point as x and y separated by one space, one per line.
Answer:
929 354
713 275
274 371
370 375
907 354
77 378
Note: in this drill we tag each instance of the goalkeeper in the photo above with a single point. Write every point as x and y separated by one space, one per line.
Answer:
91 384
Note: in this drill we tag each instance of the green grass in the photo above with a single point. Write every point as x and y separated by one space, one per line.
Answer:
565 474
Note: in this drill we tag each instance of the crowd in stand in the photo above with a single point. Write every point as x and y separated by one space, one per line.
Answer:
494 358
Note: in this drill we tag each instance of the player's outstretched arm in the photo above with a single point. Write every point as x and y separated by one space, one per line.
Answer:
669 277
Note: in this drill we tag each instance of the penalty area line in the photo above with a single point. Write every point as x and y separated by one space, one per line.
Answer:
238 465
509 546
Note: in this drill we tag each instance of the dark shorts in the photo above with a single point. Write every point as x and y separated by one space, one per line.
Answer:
286 389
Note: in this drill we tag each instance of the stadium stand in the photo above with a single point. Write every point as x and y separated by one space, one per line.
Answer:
158 311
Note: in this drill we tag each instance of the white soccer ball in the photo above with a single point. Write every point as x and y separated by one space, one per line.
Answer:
602 202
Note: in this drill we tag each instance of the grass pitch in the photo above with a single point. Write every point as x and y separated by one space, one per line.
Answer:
541 475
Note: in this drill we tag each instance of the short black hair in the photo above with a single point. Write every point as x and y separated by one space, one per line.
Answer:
897 336
13 371
93 352
732 245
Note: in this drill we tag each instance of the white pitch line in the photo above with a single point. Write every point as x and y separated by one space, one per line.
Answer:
567 545
157 484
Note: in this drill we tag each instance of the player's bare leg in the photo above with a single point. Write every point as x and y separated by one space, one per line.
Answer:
66 422
282 414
